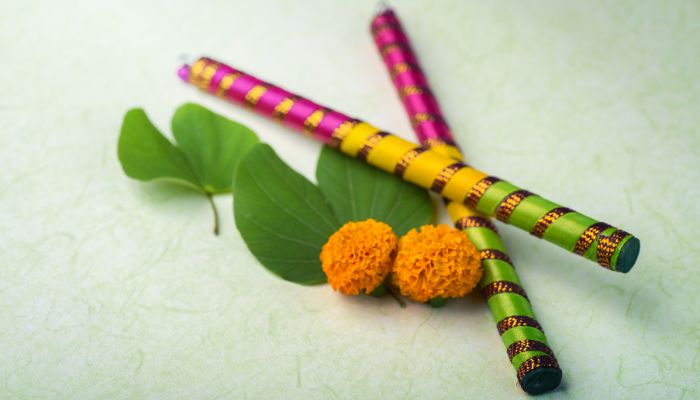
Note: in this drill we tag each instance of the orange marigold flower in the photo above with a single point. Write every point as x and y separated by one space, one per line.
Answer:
438 261
358 257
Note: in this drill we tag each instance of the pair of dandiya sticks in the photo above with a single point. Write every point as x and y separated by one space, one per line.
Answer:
471 196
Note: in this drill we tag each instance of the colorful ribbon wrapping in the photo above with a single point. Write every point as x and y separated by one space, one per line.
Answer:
536 366
612 248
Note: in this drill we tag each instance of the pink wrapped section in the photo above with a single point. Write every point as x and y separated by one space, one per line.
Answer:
410 82
274 96
300 112
269 100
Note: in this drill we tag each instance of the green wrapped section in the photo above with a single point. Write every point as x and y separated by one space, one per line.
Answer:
524 356
529 211
503 305
566 230
480 239
591 253
497 270
623 258
535 365
507 304
569 230
493 196
520 333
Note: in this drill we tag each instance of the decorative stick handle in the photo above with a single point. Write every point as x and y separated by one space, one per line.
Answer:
411 84
612 248
536 366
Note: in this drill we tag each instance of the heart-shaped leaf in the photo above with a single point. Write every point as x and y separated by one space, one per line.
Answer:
145 154
283 218
213 145
357 191
209 148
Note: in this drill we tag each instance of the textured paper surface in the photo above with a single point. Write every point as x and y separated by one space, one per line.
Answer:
114 289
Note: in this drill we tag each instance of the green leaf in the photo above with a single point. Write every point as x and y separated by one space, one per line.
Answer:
357 191
283 218
145 154
209 148
213 145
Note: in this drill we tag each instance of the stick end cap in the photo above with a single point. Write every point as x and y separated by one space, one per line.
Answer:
628 255
541 380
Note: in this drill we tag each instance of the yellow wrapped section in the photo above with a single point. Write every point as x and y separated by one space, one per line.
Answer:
447 151
426 168
432 169
461 183
388 153
459 210
356 138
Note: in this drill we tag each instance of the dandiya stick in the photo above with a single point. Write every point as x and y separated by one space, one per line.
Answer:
536 366
612 248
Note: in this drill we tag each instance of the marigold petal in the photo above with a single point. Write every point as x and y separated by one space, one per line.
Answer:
358 257
437 261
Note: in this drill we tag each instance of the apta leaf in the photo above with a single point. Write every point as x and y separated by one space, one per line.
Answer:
283 218
213 145
209 148
357 191
145 154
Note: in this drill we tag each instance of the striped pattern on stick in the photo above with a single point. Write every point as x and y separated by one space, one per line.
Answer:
527 349
428 169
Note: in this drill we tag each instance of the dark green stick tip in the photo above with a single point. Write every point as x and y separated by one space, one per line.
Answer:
541 380
628 255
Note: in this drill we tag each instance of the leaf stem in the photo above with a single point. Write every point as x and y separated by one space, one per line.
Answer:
392 292
216 213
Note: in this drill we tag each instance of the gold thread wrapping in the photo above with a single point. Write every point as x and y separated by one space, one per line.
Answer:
311 122
254 94
524 345
377 29
505 209
546 220
534 363
341 132
393 46
226 83
401 67
410 90
437 142
195 75
474 221
205 77
498 287
588 237
198 66
607 246
407 158
444 176
515 321
283 107
421 117
493 254
202 72
479 189
370 143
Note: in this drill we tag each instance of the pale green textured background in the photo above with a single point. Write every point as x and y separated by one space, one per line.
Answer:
114 289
